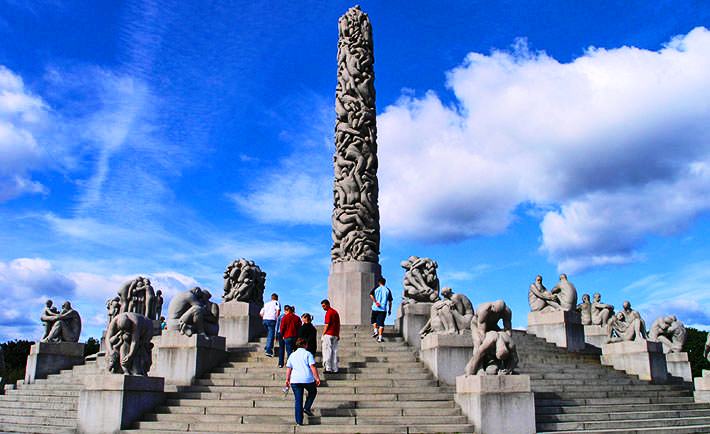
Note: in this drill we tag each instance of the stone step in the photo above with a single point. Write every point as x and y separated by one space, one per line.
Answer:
205 428
52 405
330 412
44 412
611 394
624 423
631 388
693 429
66 422
317 420
540 402
51 386
587 417
39 398
324 389
322 404
42 392
330 382
399 396
35 429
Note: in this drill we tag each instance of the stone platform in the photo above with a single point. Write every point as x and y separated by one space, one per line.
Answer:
240 323
562 328
595 335
411 318
639 357
702 387
446 355
181 359
349 286
47 358
679 366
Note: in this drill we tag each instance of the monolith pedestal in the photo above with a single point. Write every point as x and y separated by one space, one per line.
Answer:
497 404
640 357
446 355
595 335
47 358
679 366
109 403
181 359
562 328
240 323
702 387
411 318
349 286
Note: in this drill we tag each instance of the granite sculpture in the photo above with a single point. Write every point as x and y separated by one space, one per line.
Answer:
158 304
706 351
64 326
540 299
601 312
633 315
585 310
113 307
244 281
494 352
356 218
624 328
670 332
452 314
191 312
566 293
421 283
138 296
129 347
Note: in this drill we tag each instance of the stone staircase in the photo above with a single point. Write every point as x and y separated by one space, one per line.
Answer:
380 388
575 393
47 406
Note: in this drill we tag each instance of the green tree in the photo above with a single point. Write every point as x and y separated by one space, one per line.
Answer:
694 346
15 353
92 347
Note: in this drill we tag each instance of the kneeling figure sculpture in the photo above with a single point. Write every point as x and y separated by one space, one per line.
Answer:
494 352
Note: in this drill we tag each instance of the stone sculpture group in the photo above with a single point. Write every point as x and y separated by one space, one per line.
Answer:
494 352
562 297
453 314
64 326
128 341
421 283
670 332
192 312
244 281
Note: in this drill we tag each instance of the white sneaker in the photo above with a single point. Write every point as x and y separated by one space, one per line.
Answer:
374 334
379 339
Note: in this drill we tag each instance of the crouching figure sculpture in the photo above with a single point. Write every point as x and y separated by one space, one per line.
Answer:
128 344
494 352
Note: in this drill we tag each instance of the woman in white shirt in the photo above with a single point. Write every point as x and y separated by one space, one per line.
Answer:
301 373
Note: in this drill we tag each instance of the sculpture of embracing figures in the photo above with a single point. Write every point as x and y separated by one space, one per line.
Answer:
494 352
192 312
563 296
421 283
244 281
64 326
670 332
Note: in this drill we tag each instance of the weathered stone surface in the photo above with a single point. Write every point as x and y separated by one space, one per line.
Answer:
670 332
639 357
191 312
595 335
349 286
679 366
64 326
128 344
244 281
497 404
601 312
446 356
111 402
494 351
137 296
562 328
411 319
182 358
240 323
421 283
702 387
452 314
47 358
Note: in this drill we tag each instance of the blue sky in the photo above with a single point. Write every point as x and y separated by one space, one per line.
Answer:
169 138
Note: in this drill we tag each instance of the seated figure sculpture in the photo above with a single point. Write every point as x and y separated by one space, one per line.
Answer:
494 352
585 309
49 314
244 281
566 293
421 283
189 313
65 325
632 315
129 350
670 332
623 329
540 299
211 318
601 312
452 314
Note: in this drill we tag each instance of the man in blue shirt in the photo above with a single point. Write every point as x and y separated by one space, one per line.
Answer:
381 307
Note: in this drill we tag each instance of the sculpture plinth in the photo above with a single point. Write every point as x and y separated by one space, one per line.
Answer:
239 322
111 402
47 358
562 328
639 357
595 335
356 217
702 387
182 358
679 366
497 404
411 319
446 355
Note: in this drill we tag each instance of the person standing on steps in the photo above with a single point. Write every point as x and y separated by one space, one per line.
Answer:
308 333
269 313
301 374
330 338
289 332
280 338
381 297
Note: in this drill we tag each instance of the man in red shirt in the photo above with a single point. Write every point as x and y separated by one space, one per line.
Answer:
289 331
330 338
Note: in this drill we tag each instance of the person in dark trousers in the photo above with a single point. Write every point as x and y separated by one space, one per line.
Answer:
308 333
381 297
289 330
301 374
269 314
280 338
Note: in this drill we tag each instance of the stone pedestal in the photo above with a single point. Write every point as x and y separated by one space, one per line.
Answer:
349 286
181 359
49 358
679 366
446 356
109 403
702 387
640 357
411 318
562 328
595 335
497 404
240 323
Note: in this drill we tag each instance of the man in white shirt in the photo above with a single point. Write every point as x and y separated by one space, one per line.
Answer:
269 314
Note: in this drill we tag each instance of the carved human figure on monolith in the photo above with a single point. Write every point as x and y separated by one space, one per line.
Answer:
540 299
188 313
452 314
49 315
138 296
244 281
623 328
494 352
585 309
566 293
670 332
129 347
421 283
66 325
601 312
